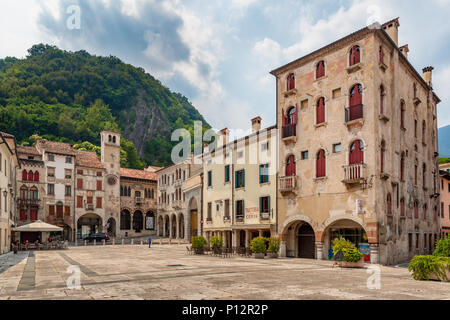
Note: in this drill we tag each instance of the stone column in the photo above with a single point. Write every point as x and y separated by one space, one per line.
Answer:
374 253
177 219
260 233
282 245
164 226
319 250
247 238
234 238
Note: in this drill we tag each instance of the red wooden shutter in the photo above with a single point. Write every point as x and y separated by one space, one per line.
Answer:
33 215
357 55
283 117
80 183
320 165
356 95
79 202
36 176
356 153
99 185
30 176
59 211
402 164
416 210
51 210
89 200
24 175
23 215
296 114
320 114
290 166
99 202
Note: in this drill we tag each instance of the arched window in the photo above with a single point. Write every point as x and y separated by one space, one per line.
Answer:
150 221
129 192
34 193
382 94
290 82
381 54
125 220
36 176
320 164
292 115
30 175
356 152
355 55
402 114
402 207
114 139
109 138
320 111
383 147
402 167
389 204
24 175
320 69
23 193
416 209
355 110
290 166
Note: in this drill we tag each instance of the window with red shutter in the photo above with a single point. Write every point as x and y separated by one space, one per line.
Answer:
79 202
23 215
89 200
356 153
99 185
36 176
415 175
320 164
320 69
24 175
320 112
51 210
99 202
30 175
290 82
292 116
80 183
33 215
290 166
355 55
59 211
67 211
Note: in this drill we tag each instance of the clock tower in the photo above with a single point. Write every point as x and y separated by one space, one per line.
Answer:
110 150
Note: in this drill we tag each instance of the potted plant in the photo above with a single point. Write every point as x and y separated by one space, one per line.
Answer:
258 247
216 244
347 254
198 244
274 247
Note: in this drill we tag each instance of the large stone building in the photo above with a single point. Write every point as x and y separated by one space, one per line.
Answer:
358 149
444 215
8 164
179 199
239 197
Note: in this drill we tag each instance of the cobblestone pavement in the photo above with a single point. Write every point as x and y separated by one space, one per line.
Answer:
166 272
8 260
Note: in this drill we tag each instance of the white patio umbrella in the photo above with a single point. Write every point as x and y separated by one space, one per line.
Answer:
38 226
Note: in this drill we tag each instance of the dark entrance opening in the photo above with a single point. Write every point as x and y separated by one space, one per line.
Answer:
306 241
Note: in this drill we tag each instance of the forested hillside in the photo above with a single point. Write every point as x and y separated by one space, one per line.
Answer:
72 96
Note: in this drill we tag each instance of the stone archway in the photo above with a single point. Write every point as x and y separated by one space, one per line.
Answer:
87 224
173 226
299 239
181 226
138 221
125 220
160 226
150 220
167 226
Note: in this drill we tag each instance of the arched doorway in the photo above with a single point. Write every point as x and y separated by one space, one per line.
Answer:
173 225
138 221
300 240
160 226
125 220
181 226
193 210
306 241
111 227
242 243
87 224
167 223
150 221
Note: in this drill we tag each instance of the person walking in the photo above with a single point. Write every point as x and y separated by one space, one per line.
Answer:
149 241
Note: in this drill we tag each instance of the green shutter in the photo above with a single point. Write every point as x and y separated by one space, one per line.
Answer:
243 178
268 204
260 205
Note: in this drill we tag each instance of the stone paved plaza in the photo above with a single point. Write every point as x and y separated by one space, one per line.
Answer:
166 272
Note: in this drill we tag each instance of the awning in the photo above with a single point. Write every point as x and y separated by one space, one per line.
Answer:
38 226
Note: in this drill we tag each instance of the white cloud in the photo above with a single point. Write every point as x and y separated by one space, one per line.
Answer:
440 84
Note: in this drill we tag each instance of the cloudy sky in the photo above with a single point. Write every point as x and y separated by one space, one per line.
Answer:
219 53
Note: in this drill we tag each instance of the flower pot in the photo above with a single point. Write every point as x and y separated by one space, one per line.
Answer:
348 264
434 277
258 255
272 255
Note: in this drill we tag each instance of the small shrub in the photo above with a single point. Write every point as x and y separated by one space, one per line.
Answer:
274 245
423 266
350 252
198 242
216 242
442 247
258 245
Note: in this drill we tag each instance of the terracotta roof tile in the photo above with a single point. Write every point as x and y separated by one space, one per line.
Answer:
6 135
55 147
87 159
28 150
138 174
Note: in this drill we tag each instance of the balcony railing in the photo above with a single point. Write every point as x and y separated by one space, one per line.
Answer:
240 218
354 173
176 204
138 200
264 216
226 218
287 183
28 202
289 131
90 207
354 113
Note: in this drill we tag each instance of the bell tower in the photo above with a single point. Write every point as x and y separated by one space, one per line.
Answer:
110 157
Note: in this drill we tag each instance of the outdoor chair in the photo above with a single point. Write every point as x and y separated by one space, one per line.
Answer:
189 250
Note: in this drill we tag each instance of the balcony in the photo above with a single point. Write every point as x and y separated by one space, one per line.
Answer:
287 184
138 200
177 204
264 216
240 218
354 173
161 206
354 113
226 218
28 202
89 207
289 132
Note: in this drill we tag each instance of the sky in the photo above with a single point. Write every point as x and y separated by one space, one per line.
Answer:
219 53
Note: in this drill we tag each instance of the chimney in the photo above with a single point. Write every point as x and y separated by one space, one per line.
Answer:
391 28
256 124
428 75
404 49
224 136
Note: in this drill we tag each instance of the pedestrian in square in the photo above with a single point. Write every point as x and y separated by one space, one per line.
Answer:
149 241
